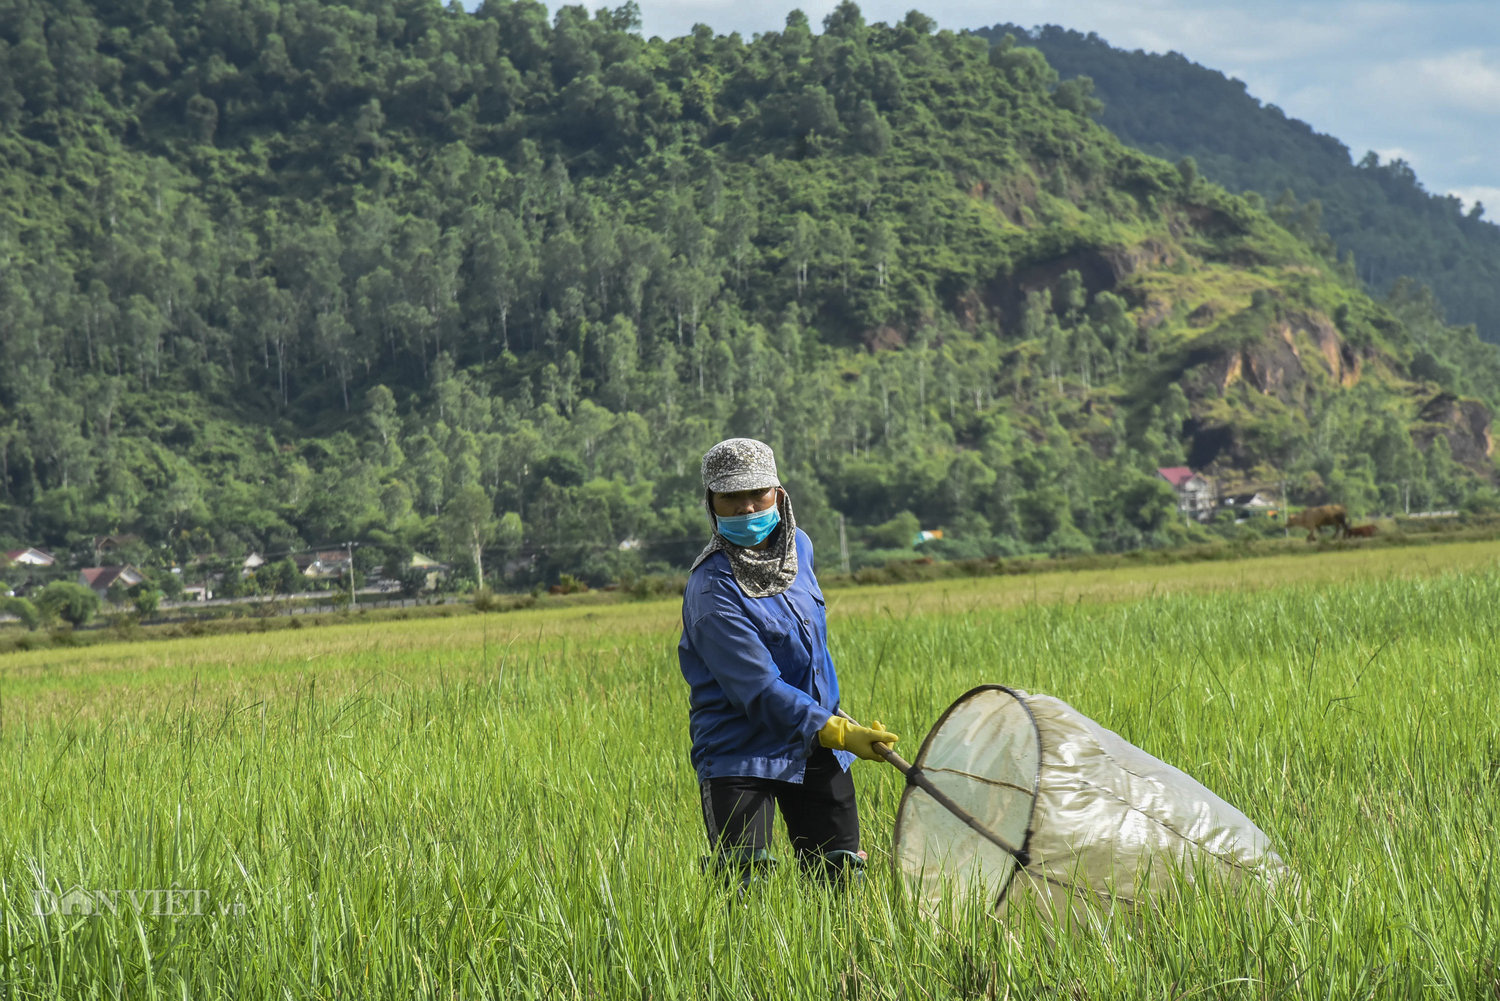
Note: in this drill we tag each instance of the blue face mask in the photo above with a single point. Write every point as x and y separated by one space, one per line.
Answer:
750 529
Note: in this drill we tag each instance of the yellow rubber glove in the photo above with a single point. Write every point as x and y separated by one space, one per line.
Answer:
846 735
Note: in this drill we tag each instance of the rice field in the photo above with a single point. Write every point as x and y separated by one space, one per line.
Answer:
501 806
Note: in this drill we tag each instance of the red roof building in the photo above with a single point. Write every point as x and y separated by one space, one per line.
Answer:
1176 475
101 579
1195 495
31 557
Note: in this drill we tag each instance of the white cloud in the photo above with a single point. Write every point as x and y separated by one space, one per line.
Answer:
1480 193
1469 79
1441 108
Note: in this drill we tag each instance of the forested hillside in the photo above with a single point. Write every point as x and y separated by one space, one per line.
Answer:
1379 212
283 274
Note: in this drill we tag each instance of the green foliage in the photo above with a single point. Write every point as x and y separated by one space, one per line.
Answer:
146 599
67 601
568 584
898 533
486 284
1377 214
24 610
1068 541
283 577
467 525
171 585
1385 815
413 582
232 584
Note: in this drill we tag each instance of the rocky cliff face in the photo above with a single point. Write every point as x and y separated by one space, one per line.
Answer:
1465 423
1102 270
1261 360
1283 361
1280 365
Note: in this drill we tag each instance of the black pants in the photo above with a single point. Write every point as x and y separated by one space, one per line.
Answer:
819 812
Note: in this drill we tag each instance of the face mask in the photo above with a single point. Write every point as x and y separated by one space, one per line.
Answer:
750 529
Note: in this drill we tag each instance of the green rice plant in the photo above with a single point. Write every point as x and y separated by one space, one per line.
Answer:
502 806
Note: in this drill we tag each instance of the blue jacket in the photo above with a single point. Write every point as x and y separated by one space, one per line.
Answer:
762 682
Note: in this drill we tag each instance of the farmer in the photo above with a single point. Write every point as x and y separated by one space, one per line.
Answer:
764 696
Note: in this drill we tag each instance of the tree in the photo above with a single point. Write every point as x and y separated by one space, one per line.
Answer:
1187 169
171 585
801 245
509 534
147 600
618 362
69 601
283 577
881 248
467 524
23 610
385 424
413 581
897 533
554 260
395 557
232 583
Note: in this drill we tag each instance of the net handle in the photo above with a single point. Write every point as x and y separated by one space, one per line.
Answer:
916 777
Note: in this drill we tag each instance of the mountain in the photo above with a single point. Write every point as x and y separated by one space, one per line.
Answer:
488 283
1378 212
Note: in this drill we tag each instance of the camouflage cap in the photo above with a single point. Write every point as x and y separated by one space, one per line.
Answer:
739 464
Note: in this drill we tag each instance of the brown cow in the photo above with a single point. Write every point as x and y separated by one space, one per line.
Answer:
1361 531
1314 518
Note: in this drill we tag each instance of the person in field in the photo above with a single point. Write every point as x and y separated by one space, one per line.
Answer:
766 733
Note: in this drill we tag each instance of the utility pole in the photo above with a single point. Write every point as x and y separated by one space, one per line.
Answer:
349 548
843 546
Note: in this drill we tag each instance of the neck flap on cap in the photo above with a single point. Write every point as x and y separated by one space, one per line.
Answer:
760 573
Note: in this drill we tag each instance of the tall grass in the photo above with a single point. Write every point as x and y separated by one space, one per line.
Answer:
503 807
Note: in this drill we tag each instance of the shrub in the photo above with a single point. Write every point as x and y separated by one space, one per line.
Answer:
568 584
147 600
125 625
1068 541
64 636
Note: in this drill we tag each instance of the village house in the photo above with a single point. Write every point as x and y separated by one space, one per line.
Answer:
109 543
431 568
31 557
325 564
101 579
1253 504
1195 494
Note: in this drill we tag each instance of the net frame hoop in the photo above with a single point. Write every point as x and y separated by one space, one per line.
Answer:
912 782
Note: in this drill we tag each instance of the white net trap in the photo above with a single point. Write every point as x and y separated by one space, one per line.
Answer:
1027 802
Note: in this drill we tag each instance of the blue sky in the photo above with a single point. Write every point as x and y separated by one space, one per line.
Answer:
1415 79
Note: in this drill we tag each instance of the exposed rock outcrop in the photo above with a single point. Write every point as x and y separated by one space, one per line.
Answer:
1467 424
1101 269
1342 361
1275 364
883 338
1274 367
